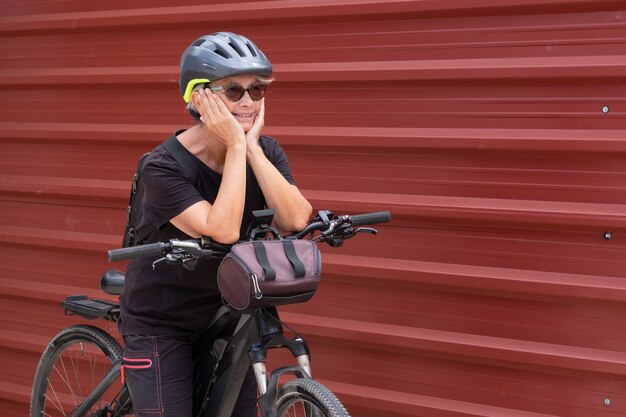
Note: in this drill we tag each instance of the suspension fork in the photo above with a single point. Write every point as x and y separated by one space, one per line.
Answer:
258 357
272 336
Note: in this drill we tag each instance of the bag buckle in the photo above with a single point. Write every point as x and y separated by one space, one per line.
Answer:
255 284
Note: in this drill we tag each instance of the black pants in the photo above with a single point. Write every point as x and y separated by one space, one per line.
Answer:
159 374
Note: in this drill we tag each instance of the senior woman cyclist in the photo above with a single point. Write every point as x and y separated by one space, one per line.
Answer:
223 78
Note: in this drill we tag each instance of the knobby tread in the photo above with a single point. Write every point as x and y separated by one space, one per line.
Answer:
302 387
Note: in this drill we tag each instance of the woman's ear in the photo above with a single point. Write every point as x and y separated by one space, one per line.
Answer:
195 103
195 99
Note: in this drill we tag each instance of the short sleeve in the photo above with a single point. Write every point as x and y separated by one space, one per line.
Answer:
168 192
277 157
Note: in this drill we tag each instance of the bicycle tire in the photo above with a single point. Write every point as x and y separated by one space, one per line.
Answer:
308 398
72 364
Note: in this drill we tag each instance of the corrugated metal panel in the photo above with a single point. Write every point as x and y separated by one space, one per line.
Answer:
493 130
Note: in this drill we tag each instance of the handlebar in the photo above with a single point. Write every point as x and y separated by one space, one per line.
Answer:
371 218
333 230
181 250
324 222
141 251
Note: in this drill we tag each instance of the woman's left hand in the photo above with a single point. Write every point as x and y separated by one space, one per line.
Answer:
252 135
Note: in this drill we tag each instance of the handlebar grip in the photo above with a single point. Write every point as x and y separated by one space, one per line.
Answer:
141 251
371 218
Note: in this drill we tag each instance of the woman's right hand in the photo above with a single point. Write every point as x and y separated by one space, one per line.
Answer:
218 119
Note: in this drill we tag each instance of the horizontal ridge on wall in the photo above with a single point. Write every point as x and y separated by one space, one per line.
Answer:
380 138
513 283
46 292
289 10
406 206
407 404
491 69
15 392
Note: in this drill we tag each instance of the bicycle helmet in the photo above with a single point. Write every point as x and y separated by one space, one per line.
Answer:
220 55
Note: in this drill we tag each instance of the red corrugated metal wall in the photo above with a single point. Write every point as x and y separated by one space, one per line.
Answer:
492 129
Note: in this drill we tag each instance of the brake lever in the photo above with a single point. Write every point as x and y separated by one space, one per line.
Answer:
158 262
337 237
170 257
190 263
188 255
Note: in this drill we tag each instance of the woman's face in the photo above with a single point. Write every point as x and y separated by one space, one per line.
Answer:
245 109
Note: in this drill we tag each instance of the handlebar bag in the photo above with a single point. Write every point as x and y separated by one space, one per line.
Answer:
267 273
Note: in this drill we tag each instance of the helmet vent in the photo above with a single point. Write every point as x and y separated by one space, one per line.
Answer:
236 48
198 42
252 51
221 53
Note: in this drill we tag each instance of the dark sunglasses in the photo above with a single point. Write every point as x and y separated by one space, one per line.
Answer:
234 92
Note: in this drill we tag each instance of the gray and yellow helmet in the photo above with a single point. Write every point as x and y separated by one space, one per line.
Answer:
220 55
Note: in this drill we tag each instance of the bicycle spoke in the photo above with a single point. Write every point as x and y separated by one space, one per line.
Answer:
299 409
65 378
57 403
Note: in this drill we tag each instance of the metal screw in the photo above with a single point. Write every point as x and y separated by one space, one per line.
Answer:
605 109
607 402
608 235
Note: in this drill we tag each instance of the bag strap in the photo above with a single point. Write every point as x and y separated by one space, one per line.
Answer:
140 233
130 234
178 151
290 251
181 155
261 256
292 256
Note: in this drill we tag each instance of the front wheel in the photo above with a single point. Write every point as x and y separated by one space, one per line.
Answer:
75 361
308 398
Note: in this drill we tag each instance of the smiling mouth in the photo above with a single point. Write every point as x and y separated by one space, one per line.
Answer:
243 115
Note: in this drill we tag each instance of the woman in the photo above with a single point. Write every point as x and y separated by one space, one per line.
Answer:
223 78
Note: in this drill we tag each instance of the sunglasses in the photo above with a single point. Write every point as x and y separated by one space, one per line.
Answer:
234 92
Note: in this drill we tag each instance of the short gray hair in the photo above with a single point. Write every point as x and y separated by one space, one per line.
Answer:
191 109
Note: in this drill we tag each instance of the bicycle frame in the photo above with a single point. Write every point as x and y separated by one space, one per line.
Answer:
111 376
256 332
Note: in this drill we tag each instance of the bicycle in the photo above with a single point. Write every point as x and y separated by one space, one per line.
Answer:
78 369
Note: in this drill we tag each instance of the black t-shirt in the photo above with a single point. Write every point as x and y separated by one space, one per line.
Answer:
170 298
